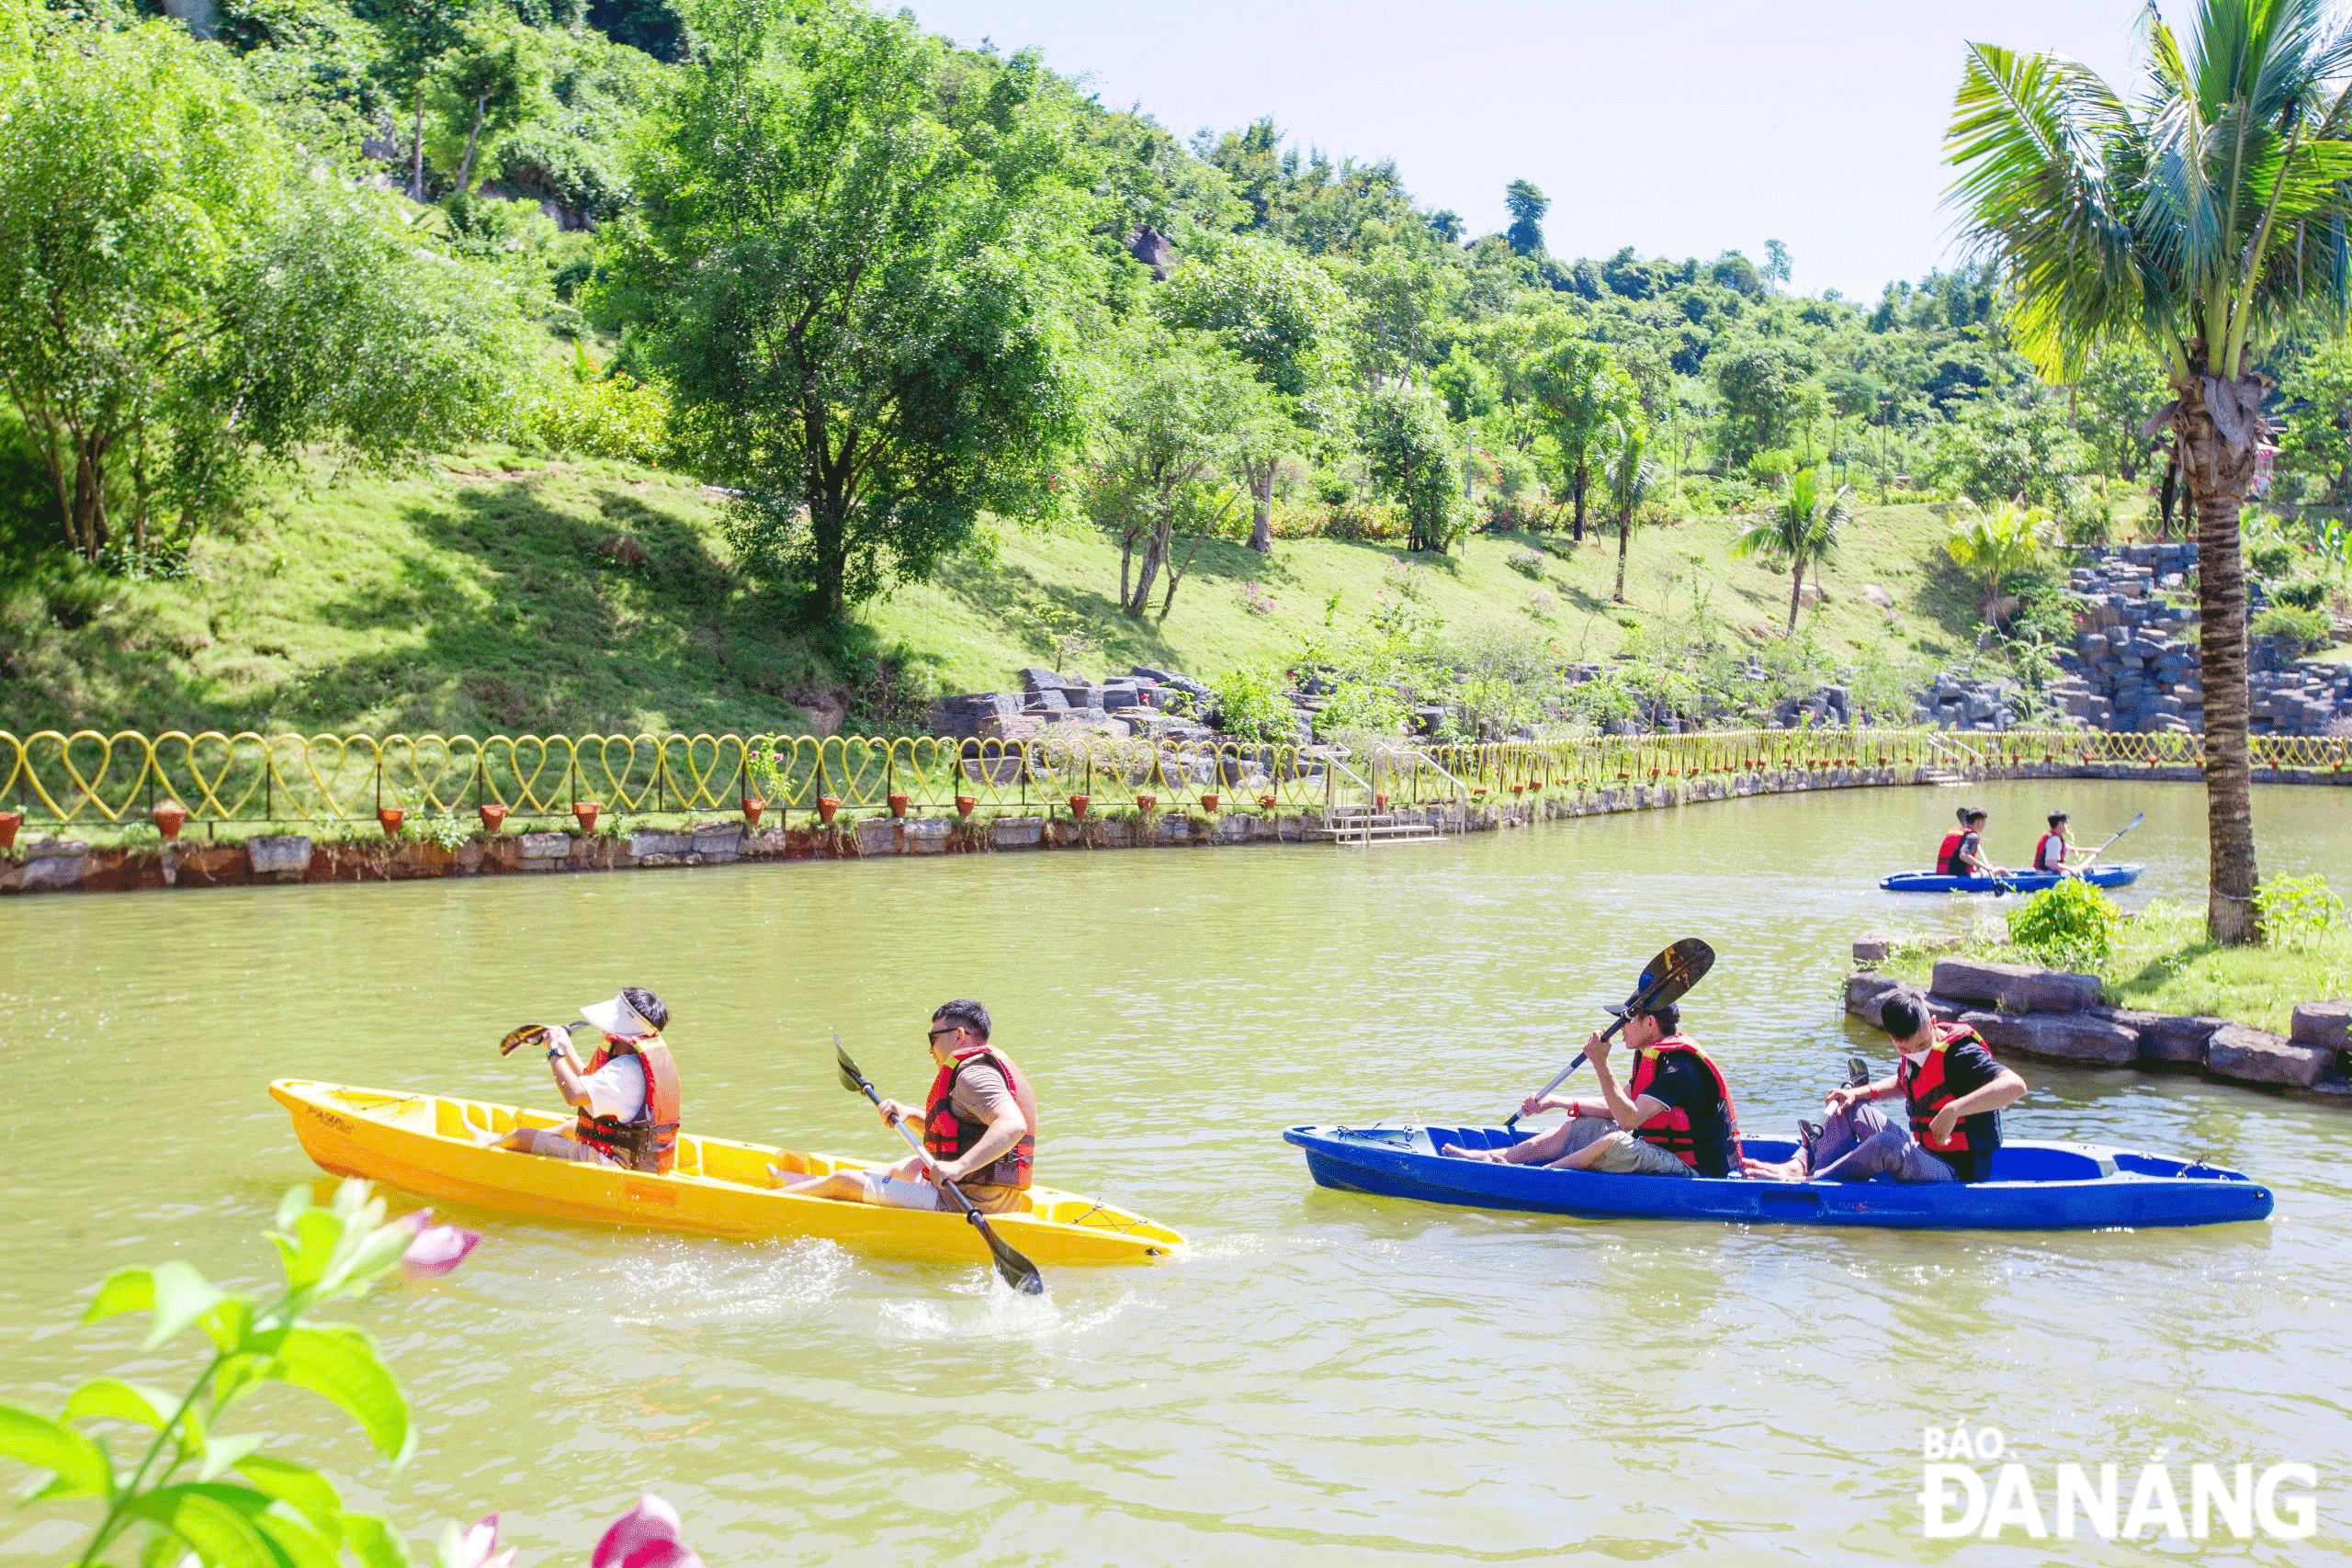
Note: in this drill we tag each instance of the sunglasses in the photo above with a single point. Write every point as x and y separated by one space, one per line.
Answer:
951 1029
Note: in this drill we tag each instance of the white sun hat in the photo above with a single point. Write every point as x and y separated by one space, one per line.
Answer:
616 1017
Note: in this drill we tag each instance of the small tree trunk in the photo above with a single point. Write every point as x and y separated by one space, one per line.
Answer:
1262 511
1796 595
1624 536
416 153
1176 571
473 138
1584 474
2218 472
1126 565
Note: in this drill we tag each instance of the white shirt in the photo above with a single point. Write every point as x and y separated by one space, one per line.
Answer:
618 1090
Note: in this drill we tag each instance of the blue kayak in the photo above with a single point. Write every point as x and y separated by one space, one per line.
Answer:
2021 881
2035 1187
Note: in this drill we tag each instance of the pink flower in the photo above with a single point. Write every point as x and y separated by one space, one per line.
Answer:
477 1548
436 1250
645 1537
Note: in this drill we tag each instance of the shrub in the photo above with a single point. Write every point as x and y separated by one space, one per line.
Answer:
441 829
609 416
2297 910
2294 629
1251 707
2271 560
1527 563
2069 926
2306 595
1362 708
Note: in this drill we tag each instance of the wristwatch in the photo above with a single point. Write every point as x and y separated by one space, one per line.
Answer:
553 1052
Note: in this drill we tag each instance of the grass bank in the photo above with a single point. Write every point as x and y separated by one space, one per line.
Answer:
498 592
2161 961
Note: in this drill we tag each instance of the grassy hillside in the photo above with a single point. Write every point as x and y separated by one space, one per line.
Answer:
501 594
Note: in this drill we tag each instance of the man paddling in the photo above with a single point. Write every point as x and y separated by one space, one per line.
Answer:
1967 857
1675 1118
1953 1089
2054 853
626 1094
980 1126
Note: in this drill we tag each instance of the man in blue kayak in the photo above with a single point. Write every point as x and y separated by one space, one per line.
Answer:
1953 1087
2055 852
1673 1117
1966 858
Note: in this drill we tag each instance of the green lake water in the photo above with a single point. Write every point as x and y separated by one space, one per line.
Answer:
1325 1378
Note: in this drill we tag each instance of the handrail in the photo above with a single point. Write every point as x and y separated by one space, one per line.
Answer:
1954 749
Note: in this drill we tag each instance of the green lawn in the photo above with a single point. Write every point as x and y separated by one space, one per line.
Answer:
497 592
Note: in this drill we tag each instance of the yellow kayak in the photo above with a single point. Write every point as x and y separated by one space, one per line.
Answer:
424 1143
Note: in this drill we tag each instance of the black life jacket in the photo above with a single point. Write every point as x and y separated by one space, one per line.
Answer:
1671 1128
1925 1088
946 1134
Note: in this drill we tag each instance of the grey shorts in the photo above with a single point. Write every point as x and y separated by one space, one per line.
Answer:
1621 1153
549 1145
895 1192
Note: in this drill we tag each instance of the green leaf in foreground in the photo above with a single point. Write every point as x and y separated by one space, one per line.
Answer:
340 1364
81 1465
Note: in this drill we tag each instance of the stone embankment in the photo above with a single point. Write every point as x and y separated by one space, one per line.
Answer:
2060 1017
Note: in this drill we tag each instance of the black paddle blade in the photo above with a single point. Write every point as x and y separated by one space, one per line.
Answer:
1666 977
1014 1269
852 1079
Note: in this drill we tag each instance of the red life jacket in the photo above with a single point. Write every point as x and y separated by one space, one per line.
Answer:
2043 843
1925 1088
1948 853
945 1134
649 1143
1671 1128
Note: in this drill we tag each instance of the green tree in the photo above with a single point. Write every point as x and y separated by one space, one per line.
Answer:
415 35
178 297
1415 457
2201 217
2318 437
1281 312
1527 206
1632 477
1801 530
1579 392
858 283
1761 386
1999 449
1183 414
1993 544
493 80
2120 390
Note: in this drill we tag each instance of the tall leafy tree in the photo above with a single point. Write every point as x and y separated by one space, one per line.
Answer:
1282 313
416 34
1415 456
1761 384
179 299
858 278
1802 531
1995 544
1527 206
1579 392
1632 477
2201 220
493 80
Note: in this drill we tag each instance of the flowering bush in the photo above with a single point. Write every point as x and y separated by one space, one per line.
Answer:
1527 563
1255 599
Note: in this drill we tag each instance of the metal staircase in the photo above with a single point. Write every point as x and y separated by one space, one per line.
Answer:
1368 819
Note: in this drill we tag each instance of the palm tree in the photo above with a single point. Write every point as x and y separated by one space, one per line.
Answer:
2202 220
1991 546
1631 476
1801 529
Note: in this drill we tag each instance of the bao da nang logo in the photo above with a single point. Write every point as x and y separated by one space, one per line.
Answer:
1970 1486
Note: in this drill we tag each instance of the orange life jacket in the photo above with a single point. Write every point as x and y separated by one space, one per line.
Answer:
945 1134
2042 844
1948 855
1670 1129
1925 1088
651 1142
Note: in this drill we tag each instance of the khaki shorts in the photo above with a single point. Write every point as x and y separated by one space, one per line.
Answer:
1621 1153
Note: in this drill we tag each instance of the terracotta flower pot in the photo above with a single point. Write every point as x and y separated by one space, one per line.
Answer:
493 816
170 817
898 805
1208 803
584 813
828 805
753 806
1078 805
1143 803
1380 802
1265 803
388 818
9 822
1519 789
965 803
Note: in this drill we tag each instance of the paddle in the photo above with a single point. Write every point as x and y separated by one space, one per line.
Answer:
540 1034
2137 817
1017 1270
1664 979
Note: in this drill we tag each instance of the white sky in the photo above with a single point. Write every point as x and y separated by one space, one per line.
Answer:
1678 127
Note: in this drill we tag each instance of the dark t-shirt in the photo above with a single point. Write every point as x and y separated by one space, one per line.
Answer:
1971 844
1683 1085
1968 1066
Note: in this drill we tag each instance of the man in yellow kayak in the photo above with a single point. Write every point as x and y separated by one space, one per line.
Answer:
626 1093
979 1127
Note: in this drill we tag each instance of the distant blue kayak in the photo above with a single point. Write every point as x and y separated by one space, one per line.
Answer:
2117 876
2035 1187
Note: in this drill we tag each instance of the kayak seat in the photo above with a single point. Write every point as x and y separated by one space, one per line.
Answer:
2037 1163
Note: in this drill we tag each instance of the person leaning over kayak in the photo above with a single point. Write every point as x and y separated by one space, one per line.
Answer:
980 1126
626 1094
1953 1087
1675 1117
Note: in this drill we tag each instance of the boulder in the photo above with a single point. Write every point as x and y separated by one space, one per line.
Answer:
927 835
1018 832
645 843
2327 1025
1864 993
61 863
2170 1037
877 836
1878 596
2058 1036
717 842
1872 946
2254 1055
2015 988
271 852
544 846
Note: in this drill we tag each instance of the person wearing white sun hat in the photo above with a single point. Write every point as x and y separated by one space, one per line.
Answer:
626 1094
